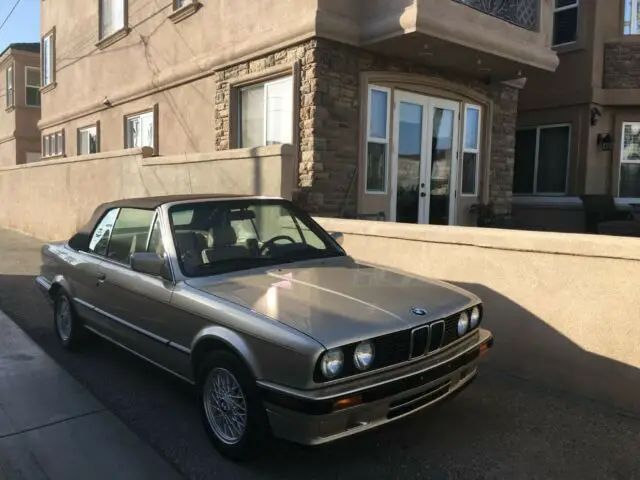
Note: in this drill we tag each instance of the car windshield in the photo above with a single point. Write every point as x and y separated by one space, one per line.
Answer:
213 237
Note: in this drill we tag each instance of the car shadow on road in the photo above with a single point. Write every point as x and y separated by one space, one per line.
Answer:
530 384
534 390
530 348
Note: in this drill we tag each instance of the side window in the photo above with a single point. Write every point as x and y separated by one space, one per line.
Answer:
129 234
100 238
155 239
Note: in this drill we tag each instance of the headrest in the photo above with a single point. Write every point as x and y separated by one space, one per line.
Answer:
224 236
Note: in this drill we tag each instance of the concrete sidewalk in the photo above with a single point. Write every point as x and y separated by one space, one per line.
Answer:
51 428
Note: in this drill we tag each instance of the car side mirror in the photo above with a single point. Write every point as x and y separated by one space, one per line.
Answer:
338 237
150 263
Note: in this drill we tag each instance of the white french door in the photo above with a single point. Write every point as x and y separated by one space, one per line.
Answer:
424 159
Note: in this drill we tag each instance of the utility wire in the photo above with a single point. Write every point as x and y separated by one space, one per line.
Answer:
15 5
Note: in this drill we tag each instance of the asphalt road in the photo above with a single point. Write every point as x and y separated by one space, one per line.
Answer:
502 427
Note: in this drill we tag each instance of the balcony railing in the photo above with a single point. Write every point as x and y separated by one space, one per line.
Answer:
523 13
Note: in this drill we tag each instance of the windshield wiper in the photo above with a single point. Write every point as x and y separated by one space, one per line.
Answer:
308 254
258 261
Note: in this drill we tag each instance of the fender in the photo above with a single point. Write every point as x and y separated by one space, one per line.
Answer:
59 281
233 341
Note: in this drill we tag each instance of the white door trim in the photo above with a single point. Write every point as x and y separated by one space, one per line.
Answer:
417 99
428 105
455 148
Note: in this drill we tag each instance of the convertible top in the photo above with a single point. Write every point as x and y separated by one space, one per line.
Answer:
151 203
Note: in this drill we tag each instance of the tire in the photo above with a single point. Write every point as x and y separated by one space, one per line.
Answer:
243 441
66 323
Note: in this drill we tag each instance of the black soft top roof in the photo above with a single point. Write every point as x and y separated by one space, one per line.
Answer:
151 203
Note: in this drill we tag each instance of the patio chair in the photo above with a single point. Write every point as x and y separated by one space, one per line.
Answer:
601 208
620 228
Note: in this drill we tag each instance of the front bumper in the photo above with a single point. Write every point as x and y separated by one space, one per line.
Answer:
313 419
44 286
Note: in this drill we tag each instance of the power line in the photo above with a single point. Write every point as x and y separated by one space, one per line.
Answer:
15 5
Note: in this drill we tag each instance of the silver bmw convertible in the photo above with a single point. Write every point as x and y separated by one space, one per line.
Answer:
250 300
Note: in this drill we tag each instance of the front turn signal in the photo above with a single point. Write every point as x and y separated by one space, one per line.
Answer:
347 402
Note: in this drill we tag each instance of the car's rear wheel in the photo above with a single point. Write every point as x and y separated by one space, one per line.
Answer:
67 324
231 408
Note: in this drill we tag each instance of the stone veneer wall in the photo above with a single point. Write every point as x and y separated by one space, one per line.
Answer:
503 146
329 119
621 65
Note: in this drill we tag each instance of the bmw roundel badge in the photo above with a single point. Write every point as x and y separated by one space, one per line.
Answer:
419 311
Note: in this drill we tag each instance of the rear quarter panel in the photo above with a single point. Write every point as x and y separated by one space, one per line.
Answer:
54 266
73 272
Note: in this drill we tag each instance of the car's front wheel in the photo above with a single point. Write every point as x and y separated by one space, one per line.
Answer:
232 411
67 324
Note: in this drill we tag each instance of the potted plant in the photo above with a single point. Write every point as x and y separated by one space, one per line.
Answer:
485 214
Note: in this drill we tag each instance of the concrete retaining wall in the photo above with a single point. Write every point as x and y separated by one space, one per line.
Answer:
51 199
565 308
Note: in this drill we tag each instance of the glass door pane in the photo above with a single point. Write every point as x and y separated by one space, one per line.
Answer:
441 165
409 157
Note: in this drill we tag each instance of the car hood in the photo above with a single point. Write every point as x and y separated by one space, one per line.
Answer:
339 300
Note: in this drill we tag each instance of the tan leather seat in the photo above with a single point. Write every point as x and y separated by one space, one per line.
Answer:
189 249
224 246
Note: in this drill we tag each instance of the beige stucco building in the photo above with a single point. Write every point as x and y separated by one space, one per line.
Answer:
579 127
406 107
20 112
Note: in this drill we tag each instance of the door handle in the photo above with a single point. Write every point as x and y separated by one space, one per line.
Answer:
100 278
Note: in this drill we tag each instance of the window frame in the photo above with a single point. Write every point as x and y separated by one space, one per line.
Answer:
80 130
534 192
102 36
181 12
154 216
95 228
47 61
634 20
369 139
155 220
289 77
576 5
10 90
27 86
154 122
621 161
476 151
60 143
54 144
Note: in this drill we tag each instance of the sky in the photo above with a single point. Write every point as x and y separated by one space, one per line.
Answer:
24 23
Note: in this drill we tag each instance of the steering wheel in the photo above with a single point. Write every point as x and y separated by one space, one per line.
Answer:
272 241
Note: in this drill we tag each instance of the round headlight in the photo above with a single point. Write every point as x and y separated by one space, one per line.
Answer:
463 323
332 362
363 355
475 317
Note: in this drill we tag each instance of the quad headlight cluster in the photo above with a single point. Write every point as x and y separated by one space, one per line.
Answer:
333 361
356 358
468 321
